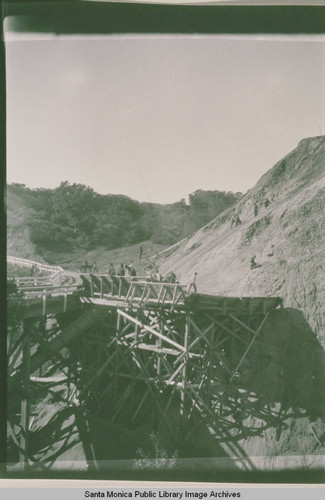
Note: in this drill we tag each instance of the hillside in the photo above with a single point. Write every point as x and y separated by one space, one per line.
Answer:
18 234
283 426
72 222
287 237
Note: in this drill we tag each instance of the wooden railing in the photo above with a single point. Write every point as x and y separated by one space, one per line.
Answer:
25 281
157 292
133 289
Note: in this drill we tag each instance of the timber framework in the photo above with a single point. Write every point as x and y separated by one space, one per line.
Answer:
153 347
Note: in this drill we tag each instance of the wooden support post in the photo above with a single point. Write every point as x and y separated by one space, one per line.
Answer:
25 402
183 389
209 355
44 302
159 345
158 372
65 300
118 329
135 414
42 332
248 348
133 371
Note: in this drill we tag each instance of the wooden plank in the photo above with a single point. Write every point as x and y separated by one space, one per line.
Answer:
136 413
249 346
202 336
227 329
150 330
242 324
158 350
176 372
98 372
68 335
25 402
154 396
197 329
120 403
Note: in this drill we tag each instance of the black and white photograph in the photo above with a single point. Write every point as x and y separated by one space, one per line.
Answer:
165 249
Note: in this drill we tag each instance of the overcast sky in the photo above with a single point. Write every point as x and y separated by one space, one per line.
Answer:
157 117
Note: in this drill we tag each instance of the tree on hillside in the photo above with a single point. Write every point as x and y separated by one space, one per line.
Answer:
74 216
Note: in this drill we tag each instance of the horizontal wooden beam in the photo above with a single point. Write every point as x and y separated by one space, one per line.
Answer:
150 330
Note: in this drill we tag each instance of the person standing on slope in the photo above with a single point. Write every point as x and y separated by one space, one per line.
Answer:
140 251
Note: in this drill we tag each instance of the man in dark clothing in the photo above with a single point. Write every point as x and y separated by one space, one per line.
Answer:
132 270
255 209
121 271
111 270
254 263
172 277
141 251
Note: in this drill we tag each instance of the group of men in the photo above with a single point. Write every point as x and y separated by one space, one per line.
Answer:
156 276
86 267
123 270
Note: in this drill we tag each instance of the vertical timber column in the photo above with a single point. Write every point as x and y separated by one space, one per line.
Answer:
158 375
133 372
25 402
209 353
183 387
117 347
42 331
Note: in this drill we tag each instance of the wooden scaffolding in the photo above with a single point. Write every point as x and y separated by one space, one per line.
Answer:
155 353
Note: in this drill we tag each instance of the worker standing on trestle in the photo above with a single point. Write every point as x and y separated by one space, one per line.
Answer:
193 284
111 270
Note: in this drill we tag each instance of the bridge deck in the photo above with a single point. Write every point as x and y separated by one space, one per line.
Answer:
127 292
195 303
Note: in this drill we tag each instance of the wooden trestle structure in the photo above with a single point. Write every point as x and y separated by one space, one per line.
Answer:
147 350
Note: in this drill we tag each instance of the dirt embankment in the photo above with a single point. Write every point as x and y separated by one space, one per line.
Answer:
287 238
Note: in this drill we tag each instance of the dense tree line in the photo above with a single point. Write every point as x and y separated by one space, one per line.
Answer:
75 216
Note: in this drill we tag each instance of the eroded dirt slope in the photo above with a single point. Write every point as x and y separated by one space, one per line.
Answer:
287 238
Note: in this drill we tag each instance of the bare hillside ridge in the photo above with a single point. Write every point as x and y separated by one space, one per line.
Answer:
287 237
